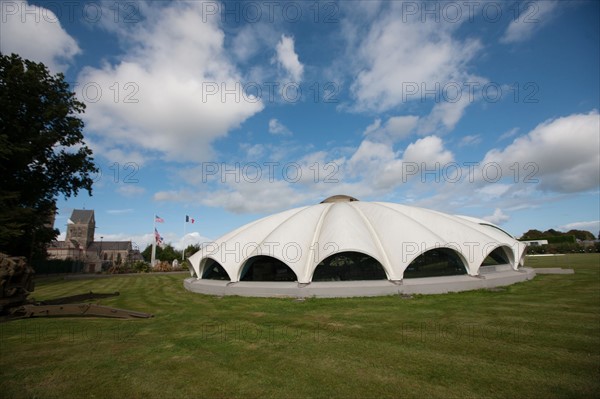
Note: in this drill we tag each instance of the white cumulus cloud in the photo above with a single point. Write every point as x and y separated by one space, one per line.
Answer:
278 128
141 241
498 217
472 139
532 16
382 168
35 33
561 155
182 242
592 226
428 150
286 57
401 59
394 129
170 86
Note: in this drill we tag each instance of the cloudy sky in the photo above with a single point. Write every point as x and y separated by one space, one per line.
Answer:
230 111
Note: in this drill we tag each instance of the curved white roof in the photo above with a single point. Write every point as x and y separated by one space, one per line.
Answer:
393 234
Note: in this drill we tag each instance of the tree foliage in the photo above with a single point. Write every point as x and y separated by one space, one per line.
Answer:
556 236
191 249
42 153
582 235
532 234
163 253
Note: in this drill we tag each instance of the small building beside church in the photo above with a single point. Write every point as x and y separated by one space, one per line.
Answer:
80 245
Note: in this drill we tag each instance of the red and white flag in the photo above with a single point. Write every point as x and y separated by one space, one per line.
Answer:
157 237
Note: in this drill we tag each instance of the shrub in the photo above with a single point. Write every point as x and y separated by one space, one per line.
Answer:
140 267
163 266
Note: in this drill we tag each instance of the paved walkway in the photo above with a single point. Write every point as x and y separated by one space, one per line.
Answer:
553 270
342 289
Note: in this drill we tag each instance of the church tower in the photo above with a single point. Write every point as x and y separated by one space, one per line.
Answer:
80 228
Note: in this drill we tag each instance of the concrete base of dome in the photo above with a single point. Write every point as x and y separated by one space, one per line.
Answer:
497 277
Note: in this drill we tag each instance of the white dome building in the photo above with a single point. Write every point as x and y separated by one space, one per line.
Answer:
346 247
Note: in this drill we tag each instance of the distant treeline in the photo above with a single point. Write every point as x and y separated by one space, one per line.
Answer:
556 237
559 242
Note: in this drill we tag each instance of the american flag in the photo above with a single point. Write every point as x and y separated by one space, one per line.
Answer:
157 237
158 219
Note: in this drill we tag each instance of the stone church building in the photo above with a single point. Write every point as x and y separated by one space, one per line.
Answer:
80 245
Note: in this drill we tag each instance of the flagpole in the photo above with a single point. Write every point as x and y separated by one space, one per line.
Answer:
153 257
184 232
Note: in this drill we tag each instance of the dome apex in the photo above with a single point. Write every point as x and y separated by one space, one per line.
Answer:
338 198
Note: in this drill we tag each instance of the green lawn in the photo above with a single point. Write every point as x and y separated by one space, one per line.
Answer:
535 339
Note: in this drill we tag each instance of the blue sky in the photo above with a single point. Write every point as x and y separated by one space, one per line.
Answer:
230 111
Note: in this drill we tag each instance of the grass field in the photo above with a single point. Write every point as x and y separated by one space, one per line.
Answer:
537 339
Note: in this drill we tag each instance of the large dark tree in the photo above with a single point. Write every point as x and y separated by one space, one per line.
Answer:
42 153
